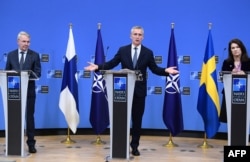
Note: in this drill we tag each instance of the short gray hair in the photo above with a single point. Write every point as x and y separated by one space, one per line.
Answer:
137 27
22 33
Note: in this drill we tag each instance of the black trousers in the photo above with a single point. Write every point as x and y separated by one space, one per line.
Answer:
138 107
30 121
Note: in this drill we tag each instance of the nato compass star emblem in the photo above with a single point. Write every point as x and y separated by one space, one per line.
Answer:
172 84
13 82
99 85
239 84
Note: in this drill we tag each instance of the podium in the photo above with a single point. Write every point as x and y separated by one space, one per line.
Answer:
120 89
236 89
14 87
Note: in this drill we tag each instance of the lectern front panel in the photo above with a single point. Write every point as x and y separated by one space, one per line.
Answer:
120 90
238 126
120 116
238 110
14 114
14 87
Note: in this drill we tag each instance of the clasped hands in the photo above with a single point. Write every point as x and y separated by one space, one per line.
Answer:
238 72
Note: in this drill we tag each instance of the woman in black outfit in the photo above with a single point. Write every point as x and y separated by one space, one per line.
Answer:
238 62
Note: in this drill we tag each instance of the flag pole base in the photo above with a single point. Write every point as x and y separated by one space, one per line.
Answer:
170 143
68 140
98 141
205 145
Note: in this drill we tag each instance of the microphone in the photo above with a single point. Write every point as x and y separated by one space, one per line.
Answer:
105 56
223 58
107 49
3 56
223 53
138 73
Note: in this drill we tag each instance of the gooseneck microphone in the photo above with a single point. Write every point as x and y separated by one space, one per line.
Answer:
3 56
223 54
105 56
223 58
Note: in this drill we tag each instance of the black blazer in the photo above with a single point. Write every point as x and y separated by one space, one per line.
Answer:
229 65
32 62
145 60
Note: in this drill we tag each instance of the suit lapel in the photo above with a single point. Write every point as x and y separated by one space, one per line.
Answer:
16 62
27 58
129 57
140 55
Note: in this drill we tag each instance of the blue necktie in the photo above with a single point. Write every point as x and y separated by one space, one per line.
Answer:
135 57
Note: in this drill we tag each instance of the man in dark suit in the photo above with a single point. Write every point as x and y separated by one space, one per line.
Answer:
25 59
143 59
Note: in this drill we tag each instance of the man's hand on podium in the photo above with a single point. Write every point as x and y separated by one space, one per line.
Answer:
91 67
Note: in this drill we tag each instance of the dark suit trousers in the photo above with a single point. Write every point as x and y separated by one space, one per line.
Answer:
30 122
138 107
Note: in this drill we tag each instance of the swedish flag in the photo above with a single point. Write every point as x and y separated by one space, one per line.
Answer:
208 99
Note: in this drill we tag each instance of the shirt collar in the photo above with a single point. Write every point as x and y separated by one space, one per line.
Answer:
138 47
19 51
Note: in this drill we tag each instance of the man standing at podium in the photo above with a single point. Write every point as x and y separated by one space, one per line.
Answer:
135 56
25 59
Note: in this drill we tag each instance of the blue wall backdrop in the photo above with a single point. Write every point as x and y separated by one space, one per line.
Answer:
48 23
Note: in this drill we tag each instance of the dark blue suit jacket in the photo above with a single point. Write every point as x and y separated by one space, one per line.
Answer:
145 60
32 62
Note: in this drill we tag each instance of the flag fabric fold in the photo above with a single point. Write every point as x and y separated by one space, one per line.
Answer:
208 98
99 112
68 100
172 107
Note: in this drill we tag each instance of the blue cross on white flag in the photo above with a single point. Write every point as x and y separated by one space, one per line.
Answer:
68 101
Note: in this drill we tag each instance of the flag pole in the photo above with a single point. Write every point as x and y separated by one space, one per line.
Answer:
205 144
68 140
170 141
98 140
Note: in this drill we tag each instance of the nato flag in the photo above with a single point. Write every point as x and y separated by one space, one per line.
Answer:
172 108
99 112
